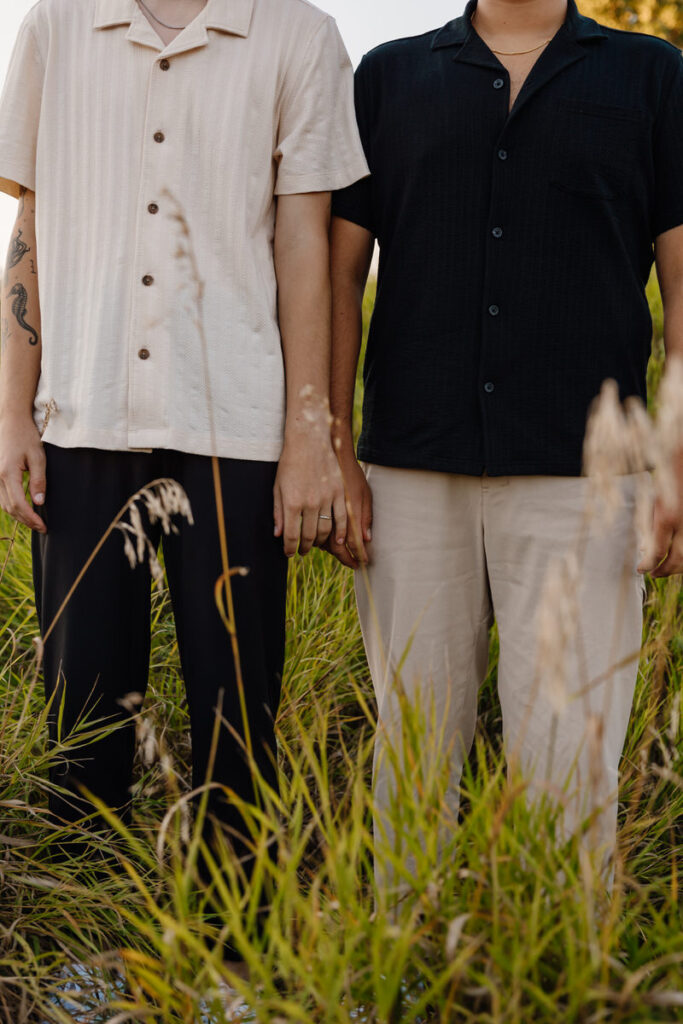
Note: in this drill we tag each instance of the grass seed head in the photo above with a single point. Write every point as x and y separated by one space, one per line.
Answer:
162 501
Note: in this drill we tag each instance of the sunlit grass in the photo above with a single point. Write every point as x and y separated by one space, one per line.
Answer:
505 924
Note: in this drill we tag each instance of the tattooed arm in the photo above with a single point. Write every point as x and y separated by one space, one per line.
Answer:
21 449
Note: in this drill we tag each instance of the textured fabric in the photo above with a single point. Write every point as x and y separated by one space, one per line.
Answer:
449 553
99 649
514 249
252 100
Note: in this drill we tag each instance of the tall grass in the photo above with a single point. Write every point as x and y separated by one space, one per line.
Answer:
507 924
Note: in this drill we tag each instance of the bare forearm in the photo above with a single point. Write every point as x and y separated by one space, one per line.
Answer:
20 331
308 492
347 335
21 450
673 324
304 302
669 256
350 262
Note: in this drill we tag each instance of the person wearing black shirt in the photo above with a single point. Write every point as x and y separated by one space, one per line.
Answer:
526 169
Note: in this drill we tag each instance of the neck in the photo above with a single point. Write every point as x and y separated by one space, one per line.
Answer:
520 18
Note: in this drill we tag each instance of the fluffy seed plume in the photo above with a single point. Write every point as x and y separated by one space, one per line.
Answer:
162 501
619 440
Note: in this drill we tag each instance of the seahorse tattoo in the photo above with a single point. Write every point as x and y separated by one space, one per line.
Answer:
19 306
17 250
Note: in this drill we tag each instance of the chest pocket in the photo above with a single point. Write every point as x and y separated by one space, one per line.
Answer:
595 146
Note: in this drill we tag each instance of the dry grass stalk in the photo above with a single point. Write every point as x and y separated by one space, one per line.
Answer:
185 253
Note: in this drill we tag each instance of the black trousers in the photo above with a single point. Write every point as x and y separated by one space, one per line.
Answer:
100 647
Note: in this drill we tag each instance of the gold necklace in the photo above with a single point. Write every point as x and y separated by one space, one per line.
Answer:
515 53
518 53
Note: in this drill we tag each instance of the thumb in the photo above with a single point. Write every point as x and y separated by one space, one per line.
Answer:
278 516
35 462
366 517
662 534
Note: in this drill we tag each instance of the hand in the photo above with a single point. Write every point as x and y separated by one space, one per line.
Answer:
667 548
308 485
21 450
353 551
666 555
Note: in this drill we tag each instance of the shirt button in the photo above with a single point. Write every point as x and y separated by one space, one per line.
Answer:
164 64
497 232
494 310
502 154
498 83
148 280
143 353
489 388
153 208
159 136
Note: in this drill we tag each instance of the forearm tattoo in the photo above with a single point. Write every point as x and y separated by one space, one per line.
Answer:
19 305
17 250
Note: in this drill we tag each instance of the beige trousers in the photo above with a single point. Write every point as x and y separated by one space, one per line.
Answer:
448 554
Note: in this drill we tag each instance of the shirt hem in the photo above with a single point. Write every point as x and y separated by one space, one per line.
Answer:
13 179
668 224
468 467
146 440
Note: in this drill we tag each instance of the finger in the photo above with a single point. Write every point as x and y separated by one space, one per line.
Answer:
366 516
662 537
673 563
325 524
278 514
35 462
18 506
309 530
342 554
291 530
341 521
354 533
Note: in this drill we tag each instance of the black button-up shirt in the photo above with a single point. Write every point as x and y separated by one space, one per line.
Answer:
514 247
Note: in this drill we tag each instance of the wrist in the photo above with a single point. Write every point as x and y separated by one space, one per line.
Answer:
308 418
342 437
16 412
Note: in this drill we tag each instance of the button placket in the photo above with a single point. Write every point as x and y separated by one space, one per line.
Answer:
493 313
146 349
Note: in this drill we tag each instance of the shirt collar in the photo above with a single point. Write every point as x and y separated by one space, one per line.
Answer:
458 31
232 16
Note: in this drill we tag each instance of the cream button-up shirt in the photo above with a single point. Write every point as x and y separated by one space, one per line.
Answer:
119 136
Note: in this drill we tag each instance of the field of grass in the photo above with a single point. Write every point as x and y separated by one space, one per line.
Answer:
505 925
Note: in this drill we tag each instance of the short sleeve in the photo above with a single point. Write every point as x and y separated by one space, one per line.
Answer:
20 114
668 156
319 148
354 203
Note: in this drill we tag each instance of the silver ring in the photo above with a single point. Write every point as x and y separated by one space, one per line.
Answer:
324 517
